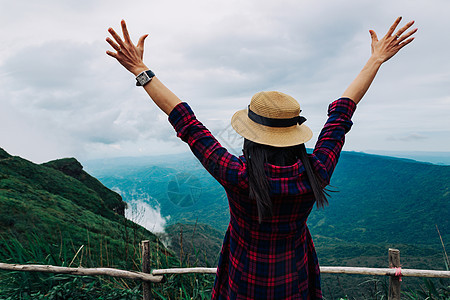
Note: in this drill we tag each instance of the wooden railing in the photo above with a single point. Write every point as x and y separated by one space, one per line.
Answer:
148 276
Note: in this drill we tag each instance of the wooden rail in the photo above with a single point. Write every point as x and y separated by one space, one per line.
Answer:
328 270
157 275
146 277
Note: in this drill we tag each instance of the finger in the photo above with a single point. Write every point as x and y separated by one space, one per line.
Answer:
114 45
404 28
406 42
116 36
140 43
373 35
112 54
393 26
126 36
411 32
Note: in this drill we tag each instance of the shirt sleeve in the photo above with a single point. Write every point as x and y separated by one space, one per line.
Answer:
226 168
331 139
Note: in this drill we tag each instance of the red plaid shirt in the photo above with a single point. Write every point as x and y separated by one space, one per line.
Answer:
275 259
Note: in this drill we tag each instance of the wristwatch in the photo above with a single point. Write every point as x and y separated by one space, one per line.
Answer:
144 78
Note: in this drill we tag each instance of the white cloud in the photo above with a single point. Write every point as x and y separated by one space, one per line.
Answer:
62 94
146 216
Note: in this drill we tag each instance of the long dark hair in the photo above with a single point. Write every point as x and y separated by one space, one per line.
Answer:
257 155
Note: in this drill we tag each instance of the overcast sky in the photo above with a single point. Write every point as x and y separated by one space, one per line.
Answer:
62 96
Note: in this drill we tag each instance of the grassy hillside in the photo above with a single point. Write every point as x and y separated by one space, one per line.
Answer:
72 168
60 208
58 214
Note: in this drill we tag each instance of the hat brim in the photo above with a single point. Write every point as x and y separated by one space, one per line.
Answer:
273 136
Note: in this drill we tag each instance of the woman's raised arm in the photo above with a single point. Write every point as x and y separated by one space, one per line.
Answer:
382 50
131 57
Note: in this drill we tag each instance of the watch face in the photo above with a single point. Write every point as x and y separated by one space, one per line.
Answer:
142 78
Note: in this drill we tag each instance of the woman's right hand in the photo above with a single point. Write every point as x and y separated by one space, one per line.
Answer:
391 43
127 54
130 56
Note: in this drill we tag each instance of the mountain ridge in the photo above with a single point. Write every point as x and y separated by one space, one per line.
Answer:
71 209
73 168
372 186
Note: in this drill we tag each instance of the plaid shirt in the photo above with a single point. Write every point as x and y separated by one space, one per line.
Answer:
275 259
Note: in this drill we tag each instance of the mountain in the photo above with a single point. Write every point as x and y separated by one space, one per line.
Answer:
386 200
71 167
59 204
177 184
379 199
435 157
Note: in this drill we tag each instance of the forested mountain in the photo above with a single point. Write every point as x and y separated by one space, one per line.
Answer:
43 199
377 199
57 214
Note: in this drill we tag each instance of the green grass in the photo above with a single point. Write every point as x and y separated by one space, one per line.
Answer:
38 285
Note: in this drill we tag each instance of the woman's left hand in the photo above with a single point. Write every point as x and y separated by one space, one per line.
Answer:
127 54
391 43
382 51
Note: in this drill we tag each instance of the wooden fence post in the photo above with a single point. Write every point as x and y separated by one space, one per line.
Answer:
146 286
394 281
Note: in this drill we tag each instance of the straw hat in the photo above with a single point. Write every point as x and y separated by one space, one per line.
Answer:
272 118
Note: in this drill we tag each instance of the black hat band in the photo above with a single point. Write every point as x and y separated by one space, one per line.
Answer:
275 122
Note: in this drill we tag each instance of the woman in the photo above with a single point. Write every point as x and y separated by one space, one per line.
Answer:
267 252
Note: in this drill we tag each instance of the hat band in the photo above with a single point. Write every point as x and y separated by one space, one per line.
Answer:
275 122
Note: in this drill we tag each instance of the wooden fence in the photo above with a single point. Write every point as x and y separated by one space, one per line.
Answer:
148 276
